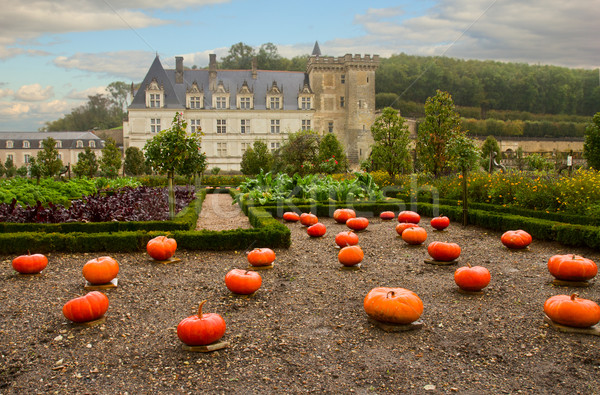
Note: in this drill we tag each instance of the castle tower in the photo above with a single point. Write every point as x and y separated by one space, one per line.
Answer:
344 90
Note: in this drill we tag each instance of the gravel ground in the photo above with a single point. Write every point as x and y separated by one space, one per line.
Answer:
305 330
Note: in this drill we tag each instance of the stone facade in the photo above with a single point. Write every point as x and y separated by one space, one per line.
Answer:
234 108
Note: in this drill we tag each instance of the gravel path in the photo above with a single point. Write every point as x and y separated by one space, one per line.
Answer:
218 213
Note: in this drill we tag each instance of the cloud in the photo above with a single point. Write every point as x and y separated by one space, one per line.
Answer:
123 64
14 109
6 92
34 92
531 31
84 94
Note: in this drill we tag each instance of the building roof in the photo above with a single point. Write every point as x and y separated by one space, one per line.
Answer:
68 139
290 82
316 50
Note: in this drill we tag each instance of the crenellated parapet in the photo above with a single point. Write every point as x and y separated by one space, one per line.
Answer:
330 63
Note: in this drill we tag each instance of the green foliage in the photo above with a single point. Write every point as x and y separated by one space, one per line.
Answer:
463 152
591 146
267 58
9 168
100 112
256 158
440 125
489 145
298 154
110 162
27 191
134 164
215 170
47 158
536 161
116 183
391 139
2 169
87 164
331 158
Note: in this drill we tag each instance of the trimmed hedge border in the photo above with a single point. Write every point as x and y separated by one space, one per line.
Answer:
267 232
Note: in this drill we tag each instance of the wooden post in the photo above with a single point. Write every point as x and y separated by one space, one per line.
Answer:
465 197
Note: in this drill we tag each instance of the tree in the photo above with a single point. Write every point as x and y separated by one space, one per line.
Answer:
87 164
119 92
464 154
174 151
134 164
240 57
591 146
298 154
332 158
48 159
2 169
9 168
35 169
489 145
256 158
110 162
441 123
391 138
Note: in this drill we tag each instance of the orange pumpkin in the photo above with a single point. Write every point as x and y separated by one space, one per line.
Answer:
316 230
387 215
161 248
572 267
572 311
341 215
351 255
243 282
261 257
201 329
308 219
100 270
30 264
89 307
440 223
415 235
409 216
291 216
472 278
516 239
346 238
402 226
358 223
445 252
393 305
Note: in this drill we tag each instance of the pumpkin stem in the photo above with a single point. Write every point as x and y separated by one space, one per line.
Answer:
468 264
573 296
200 308
390 292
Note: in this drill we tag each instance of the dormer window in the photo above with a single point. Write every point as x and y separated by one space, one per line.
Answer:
9 144
79 144
221 102
26 144
195 97
221 97
245 97
305 98
41 143
274 97
58 144
154 95
92 144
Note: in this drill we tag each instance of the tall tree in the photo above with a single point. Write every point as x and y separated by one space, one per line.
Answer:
256 158
298 154
441 123
174 151
87 164
119 92
464 154
240 57
591 146
332 158
134 164
390 150
48 159
9 168
110 162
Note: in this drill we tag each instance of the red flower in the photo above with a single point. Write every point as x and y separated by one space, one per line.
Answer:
336 162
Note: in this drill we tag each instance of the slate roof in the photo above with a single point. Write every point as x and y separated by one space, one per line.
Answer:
68 139
290 82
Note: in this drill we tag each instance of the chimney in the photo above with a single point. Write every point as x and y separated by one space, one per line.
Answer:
212 72
254 67
179 69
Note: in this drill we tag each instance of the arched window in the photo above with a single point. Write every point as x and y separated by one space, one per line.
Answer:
92 144
26 144
79 144
9 144
58 144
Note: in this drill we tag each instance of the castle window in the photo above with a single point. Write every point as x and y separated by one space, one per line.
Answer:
26 144
275 126
274 147
92 144
58 144
330 127
9 157
275 103
9 144
41 144
342 101
343 78
245 103
27 158
79 144
221 149
306 124
244 126
245 147
195 125
305 103
155 100
221 102
221 126
154 125
195 102
59 156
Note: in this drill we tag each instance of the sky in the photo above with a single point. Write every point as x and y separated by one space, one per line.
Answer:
54 54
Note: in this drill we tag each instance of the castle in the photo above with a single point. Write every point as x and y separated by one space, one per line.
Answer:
234 108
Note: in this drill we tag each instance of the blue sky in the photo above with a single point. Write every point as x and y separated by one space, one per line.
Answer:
53 54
